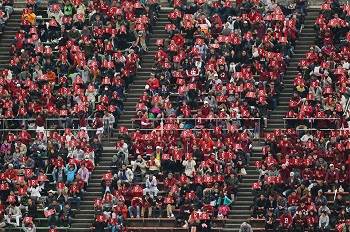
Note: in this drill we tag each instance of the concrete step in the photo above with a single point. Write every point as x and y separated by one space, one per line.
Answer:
138 87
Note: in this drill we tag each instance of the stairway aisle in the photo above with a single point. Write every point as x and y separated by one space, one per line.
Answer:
13 25
143 74
306 39
240 209
84 217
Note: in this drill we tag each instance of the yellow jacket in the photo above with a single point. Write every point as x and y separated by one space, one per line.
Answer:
31 17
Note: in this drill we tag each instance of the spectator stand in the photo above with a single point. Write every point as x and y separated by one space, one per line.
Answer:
41 180
59 91
171 55
306 168
9 21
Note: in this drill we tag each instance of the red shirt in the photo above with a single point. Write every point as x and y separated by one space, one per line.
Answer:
332 176
293 200
179 40
153 84
40 122
11 174
307 175
88 164
285 146
286 220
299 221
319 174
285 173
81 183
312 220
168 183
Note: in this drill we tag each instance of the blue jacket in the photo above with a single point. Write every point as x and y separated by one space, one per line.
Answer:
70 174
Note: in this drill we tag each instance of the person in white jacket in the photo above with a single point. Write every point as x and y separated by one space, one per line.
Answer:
35 192
124 175
245 227
91 95
13 213
29 228
123 150
84 174
58 14
151 186
189 165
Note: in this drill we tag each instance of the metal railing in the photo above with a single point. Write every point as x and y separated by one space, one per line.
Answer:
327 132
63 123
346 106
216 122
310 120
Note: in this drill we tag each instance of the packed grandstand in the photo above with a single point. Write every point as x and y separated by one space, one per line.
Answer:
215 81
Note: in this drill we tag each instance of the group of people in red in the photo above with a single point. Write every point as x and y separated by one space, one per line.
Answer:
304 179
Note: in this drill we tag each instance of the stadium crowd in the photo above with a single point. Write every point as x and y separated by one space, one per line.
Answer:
304 172
224 66
213 83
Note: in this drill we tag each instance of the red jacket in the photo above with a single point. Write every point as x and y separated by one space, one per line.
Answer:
312 220
284 146
307 175
293 200
136 202
332 176
121 209
186 111
299 221
179 40
88 164
24 137
253 16
205 110
11 174
285 173
98 123
81 183
286 220
319 174
153 84
169 182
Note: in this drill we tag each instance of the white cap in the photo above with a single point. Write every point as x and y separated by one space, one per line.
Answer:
291 174
206 102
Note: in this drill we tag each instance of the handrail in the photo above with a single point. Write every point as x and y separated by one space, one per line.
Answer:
347 106
216 120
181 118
311 120
88 128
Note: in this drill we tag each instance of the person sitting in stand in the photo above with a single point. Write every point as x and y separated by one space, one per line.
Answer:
148 204
270 221
259 206
136 204
185 211
66 215
151 186
159 205
286 222
323 222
